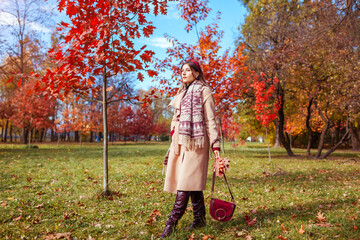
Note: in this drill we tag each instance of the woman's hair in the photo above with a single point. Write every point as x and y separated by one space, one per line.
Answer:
195 67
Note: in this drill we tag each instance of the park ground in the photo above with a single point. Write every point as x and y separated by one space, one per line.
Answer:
55 191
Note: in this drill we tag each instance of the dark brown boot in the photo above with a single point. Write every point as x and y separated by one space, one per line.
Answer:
181 201
197 200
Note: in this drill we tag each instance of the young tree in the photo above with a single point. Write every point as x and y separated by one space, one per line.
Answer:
98 43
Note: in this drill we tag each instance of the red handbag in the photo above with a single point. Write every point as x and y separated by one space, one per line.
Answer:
221 210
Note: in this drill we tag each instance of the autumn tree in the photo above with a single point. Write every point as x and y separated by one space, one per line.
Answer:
21 23
300 44
223 72
98 43
33 112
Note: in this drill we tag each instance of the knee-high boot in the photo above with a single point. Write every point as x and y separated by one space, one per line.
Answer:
197 199
181 201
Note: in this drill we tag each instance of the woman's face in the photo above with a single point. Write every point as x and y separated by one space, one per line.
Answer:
187 75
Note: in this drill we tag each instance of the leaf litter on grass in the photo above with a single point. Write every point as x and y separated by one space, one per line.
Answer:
273 206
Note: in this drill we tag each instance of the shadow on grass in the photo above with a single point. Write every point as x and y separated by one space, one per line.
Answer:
302 213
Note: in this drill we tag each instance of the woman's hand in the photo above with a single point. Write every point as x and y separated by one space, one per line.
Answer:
217 154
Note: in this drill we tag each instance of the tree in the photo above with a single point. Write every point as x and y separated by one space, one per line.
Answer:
295 42
142 122
20 42
223 73
98 44
31 111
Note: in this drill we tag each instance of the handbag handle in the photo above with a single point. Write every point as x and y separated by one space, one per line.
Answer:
213 186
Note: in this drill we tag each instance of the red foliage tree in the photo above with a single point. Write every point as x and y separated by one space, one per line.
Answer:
98 43
143 122
126 124
266 105
32 111
224 73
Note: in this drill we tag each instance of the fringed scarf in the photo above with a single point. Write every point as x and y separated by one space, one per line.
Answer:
191 127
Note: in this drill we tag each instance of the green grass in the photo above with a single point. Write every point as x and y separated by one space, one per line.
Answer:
56 189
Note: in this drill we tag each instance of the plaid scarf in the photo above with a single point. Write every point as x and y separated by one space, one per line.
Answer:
191 127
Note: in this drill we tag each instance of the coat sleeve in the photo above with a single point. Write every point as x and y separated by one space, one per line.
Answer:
210 120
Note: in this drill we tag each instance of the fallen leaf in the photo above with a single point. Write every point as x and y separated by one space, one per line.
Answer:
302 229
152 217
281 237
191 237
18 218
40 205
249 221
248 237
242 233
283 228
206 237
323 224
320 217
51 236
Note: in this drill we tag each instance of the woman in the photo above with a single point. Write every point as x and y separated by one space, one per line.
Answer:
193 132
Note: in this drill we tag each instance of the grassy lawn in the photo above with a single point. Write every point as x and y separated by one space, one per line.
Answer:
54 191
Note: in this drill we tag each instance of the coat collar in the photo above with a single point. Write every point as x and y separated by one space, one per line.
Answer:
175 103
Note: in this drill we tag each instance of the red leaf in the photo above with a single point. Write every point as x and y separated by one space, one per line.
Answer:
10 79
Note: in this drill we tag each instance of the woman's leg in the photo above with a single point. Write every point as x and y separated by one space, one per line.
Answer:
197 200
181 201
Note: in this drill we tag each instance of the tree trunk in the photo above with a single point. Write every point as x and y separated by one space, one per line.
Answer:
2 133
322 139
5 131
52 136
10 134
337 133
76 133
281 128
105 124
42 134
91 137
309 130
325 155
222 137
355 137
339 143
24 135
277 135
30 136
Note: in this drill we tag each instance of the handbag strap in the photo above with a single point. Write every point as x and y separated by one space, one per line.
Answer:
213 186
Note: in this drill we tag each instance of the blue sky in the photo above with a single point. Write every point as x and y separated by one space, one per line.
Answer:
232 15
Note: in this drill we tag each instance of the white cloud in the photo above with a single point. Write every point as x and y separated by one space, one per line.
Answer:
39 28
10 20
7 19
160 42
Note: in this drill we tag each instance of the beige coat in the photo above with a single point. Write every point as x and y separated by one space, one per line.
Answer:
187 170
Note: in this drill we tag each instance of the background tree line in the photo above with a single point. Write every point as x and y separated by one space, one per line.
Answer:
303 55
312 48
